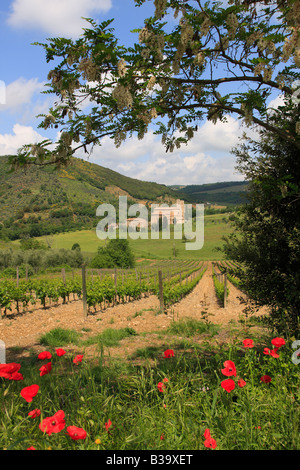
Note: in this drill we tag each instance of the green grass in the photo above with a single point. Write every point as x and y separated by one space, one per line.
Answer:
59 337
259 416
110 337
190 327
215 227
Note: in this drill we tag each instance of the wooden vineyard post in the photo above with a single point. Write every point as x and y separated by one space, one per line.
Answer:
161 294
84 292
17 276
63 273
225 290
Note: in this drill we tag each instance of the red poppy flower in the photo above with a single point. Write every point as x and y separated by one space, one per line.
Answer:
108 425
45 369
248 343
53 424
228 385
278 342
7 370
45 355
78 358
161 386
31 448
76 433
266 379
162 437
169 353
16 376
60 352
28 393
241 383
229 369
34 413
210 443
165 380
274 353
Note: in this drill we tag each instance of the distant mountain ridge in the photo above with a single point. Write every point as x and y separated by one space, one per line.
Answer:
222 193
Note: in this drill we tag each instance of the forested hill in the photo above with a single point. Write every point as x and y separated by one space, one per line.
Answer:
223 193
39 201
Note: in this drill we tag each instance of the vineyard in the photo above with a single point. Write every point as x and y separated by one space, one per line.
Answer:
99 289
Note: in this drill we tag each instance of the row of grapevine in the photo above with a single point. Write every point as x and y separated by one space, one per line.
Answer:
220 284
231 271
103 290
175 291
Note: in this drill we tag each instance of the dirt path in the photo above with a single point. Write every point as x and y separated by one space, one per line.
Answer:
142 315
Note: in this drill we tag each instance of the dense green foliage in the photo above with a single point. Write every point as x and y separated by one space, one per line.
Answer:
266 242
117 253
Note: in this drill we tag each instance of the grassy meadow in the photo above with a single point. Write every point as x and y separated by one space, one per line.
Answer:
202 388
215 227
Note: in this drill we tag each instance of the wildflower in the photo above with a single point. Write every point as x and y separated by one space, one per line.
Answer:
241 383
228 385
169 353
31 448
45 355
7 370
165 380
209 441
229 369
161 386
162 437
45 369
271 352
248 343
108 424
78 358
278 342
76 433
266 379
34 413
53 424
28 393
60 352
97 441
16 376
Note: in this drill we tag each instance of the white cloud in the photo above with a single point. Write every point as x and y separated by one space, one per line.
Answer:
278 101
55 17
20 93
10 143
205 159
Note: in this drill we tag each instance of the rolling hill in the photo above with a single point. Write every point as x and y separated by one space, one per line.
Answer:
224 193
42 201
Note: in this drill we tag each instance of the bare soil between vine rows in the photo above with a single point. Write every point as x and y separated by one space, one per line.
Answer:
21 332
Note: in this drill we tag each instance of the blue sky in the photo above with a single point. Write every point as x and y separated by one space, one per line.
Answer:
24 72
